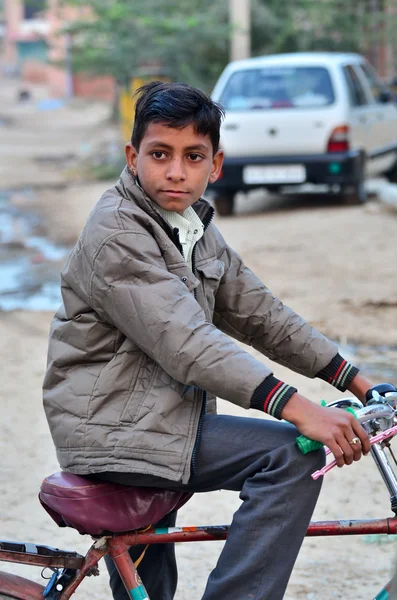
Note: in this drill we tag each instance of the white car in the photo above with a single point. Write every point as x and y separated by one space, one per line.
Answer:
291 119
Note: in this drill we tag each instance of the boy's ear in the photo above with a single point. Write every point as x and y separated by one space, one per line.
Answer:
217 163
131 156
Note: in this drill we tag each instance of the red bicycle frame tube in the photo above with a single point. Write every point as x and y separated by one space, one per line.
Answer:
356 527
91 560
118 551
117 547
103 546
219 532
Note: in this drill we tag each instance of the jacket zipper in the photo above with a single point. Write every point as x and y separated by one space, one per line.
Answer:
205 395
199 429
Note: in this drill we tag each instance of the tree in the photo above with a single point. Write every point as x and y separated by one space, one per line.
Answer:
185 39
189 39
361 26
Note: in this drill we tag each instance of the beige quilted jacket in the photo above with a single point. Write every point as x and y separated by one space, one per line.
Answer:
140 336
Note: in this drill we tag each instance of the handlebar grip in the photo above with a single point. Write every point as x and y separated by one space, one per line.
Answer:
306 445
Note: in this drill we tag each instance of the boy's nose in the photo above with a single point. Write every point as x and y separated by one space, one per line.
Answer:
176 171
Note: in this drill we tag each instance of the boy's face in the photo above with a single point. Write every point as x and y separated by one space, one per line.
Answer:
174 166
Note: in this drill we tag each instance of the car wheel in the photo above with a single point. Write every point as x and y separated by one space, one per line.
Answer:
392 174
355 195
224 203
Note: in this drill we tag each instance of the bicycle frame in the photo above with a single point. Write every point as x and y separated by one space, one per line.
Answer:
77 567
74 567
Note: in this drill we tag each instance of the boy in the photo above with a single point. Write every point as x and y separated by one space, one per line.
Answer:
140 349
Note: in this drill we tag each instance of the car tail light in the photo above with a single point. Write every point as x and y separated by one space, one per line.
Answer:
282 104
339 139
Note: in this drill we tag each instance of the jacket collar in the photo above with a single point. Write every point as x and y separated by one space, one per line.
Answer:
131 190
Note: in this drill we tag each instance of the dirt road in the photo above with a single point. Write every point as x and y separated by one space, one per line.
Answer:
334 265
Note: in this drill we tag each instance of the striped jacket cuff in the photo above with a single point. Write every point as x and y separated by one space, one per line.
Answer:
271 396
339 373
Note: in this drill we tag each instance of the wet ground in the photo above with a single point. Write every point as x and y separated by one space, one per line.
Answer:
29 262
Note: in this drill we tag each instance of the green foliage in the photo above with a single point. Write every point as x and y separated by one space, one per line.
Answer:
189 39
186 40
330 25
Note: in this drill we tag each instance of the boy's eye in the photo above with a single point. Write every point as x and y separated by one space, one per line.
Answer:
158 154
195 157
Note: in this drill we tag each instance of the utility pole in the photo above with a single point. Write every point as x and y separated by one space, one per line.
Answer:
374 14
69 67
240 20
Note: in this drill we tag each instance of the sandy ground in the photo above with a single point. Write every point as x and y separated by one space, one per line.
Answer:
334 265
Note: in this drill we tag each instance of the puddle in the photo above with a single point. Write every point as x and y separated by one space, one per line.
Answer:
5 121
29 262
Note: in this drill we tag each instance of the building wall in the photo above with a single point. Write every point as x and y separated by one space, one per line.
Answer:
32 35
99 88
57 81
60 81
34 71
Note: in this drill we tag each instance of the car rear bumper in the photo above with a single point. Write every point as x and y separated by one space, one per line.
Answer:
342 169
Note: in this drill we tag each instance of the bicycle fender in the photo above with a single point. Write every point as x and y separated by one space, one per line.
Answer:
19 587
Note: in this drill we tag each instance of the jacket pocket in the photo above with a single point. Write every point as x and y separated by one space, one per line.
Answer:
141 385
113 388
211 274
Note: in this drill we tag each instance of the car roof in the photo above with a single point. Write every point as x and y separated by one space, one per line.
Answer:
296 58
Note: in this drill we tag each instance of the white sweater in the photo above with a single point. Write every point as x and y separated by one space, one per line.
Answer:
190 229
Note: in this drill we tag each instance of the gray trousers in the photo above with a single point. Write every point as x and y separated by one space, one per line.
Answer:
259 459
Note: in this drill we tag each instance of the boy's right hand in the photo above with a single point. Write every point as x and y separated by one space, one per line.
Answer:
333 427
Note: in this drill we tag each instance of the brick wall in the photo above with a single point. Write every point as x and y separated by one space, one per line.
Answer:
34 72
98 88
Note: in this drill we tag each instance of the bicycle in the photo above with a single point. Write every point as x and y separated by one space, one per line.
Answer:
117 517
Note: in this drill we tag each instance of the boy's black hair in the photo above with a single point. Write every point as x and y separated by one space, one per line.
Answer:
176 105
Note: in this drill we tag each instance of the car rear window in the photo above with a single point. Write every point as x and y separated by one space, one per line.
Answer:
278 87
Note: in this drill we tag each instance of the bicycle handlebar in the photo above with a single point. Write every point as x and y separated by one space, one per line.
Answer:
379 414
379 419
307 445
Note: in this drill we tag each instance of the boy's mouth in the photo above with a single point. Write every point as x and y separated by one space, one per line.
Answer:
174 193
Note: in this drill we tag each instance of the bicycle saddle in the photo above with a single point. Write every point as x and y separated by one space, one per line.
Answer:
98 507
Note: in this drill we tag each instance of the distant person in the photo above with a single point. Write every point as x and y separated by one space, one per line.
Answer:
142 345
24 95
